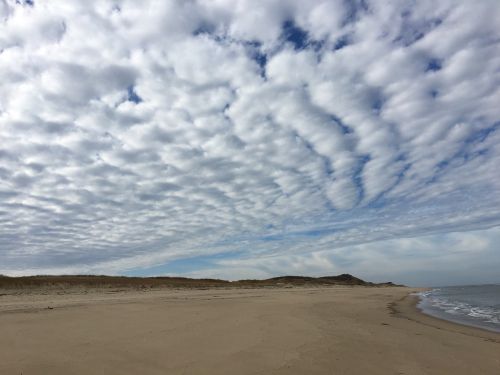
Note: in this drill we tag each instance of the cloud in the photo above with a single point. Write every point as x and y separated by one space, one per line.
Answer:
457 258
137 135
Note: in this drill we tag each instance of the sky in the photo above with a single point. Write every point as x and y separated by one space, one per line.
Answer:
251 138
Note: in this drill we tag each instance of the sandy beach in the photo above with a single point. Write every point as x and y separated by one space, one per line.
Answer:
325 330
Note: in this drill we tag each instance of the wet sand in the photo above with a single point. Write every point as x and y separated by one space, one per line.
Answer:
327 330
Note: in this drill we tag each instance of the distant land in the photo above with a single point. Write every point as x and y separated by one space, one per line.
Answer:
101 281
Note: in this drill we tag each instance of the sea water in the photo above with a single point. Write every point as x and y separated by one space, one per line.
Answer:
474 305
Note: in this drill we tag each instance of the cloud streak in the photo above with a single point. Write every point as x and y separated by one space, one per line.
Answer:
133 135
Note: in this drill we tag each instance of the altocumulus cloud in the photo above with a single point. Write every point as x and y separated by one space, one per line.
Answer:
241 136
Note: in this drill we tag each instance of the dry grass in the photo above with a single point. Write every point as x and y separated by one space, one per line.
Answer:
102 281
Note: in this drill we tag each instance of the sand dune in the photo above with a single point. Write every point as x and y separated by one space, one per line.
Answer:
300 330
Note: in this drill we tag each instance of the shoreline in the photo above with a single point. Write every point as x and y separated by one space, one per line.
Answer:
443 315
408 308
277 331
39 300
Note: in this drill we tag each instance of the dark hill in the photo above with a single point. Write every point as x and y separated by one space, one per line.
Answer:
99 281
344 279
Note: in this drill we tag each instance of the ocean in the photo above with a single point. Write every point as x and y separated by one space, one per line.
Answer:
473 305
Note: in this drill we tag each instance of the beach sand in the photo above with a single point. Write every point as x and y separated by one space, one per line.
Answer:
327 330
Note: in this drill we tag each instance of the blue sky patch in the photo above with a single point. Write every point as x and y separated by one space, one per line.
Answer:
132 95
433 65
293 34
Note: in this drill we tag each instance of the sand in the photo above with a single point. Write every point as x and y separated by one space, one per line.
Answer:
328 330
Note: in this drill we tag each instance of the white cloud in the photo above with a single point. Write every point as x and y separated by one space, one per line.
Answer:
436 260
136 134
